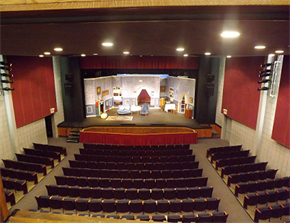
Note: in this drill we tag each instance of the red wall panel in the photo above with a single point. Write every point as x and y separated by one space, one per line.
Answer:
281 128
34 92
240 95
136 62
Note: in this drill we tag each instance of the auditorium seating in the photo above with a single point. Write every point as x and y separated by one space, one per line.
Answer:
45 147
19 174
35 159
124 206
134 159
273 211
225 155
233 161
129 147
223 149
133 165
35 152
251 176
9 195
240 168
15 184
39 168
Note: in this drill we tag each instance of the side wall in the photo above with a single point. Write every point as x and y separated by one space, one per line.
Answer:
277 155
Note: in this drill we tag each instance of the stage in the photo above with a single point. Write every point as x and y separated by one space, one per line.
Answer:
156 117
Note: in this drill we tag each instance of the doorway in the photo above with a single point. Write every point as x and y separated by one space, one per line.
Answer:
48 126
143 97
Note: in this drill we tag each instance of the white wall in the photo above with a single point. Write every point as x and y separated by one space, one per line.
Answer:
277 155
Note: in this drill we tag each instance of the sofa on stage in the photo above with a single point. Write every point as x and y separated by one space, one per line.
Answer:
138 135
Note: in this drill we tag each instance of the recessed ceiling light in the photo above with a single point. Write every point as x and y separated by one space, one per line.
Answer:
95 54
185 55
46 53
58 49
279 51
180 49
230 34
107 44
83 55
207 53
126 52
260 47
229 56
41 55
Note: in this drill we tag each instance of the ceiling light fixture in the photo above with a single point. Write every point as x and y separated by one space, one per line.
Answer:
185 55
229 56
260 47
207 53
95 54
107 44
180 49
230 34
271 55
279 51
83 55
126 52
58 49
46 53
41 55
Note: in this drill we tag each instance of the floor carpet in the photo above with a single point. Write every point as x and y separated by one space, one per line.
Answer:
120 118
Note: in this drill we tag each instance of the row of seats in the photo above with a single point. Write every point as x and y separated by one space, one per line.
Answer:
269 184
234 161
129 147
19 174
145 174
48 161
39 168
226 170
223 149
45 147
135 159
220 216
131 183
135 152
266 197
251 176
273 211
130 193
36 152
125 206
15 184
9 195
225 155
134 166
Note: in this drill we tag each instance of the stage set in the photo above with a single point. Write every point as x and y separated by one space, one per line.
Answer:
117 102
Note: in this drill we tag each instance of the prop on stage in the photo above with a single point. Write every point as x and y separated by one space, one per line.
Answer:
138 135
119 118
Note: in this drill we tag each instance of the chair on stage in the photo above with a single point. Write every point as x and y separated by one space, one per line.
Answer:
145 109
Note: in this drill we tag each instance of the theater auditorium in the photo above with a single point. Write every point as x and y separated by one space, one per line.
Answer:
166 111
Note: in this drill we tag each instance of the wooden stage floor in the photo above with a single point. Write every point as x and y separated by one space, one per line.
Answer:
156 117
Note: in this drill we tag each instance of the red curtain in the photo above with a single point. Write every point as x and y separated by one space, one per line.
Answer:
240 95
34 93
137 62
281 128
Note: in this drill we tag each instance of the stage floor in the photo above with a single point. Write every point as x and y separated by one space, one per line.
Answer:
156 117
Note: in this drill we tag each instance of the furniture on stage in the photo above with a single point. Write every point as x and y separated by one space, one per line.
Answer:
135 109
188 113
138 135
169 107
124 110
145 109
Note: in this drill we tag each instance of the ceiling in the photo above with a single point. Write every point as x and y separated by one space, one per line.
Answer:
156 31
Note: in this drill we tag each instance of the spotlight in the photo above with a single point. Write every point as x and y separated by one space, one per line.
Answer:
7 81
264 71
263 88
266 65
6 75
264 81
265 75
5 68
8 89
6 64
